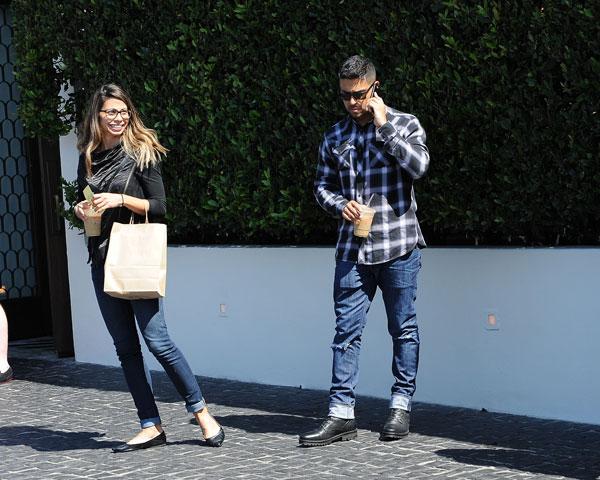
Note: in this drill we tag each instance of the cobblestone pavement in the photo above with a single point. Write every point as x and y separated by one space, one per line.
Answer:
59 420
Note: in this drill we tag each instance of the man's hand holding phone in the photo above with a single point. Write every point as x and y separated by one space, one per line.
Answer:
376 106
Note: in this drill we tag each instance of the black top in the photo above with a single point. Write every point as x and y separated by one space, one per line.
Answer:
110 170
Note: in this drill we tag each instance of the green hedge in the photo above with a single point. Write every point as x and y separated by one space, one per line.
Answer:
508 92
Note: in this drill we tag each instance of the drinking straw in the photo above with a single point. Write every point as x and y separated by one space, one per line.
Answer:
370 198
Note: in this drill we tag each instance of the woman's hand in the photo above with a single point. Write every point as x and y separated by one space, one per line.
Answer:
80 210
102 201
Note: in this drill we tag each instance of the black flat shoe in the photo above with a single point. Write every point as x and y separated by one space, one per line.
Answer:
6 376
153 442
216 440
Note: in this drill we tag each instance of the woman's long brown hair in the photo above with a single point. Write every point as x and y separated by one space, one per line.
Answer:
137 140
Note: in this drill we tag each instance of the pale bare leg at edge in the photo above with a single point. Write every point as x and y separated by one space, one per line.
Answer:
6 373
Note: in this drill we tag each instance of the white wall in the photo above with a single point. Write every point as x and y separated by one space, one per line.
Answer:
543 361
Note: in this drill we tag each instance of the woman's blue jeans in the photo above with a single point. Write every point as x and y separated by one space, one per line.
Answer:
354 288
120 318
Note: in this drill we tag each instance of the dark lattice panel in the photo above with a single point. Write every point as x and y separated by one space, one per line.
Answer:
17 265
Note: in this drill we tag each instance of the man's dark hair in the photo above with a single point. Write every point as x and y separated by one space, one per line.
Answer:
355 67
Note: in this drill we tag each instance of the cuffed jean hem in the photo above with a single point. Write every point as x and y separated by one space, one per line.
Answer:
149 422
340 410
401 401
196 407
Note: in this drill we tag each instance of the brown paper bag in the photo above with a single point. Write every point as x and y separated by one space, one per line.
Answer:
136 262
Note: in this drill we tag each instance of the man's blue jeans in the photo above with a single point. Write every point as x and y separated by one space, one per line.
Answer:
354 288
120 317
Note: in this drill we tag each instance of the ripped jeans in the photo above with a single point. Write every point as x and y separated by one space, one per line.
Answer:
354 288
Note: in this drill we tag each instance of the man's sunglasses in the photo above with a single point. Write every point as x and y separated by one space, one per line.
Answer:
360 95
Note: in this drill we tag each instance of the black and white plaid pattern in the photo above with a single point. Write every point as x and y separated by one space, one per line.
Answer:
356 163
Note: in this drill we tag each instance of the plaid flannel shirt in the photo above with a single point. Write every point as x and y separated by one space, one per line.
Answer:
356 162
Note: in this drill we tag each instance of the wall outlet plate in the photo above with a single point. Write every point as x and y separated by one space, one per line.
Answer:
492 323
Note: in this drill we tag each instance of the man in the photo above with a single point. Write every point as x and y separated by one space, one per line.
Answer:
372 156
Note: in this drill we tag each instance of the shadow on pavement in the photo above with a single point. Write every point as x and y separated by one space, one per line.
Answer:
548 447
559 463
46 440
516 442
266 423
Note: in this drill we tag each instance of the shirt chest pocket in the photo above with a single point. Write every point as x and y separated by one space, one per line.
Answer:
344 155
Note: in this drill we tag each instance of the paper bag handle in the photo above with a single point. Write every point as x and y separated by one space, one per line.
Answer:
125 189
132 214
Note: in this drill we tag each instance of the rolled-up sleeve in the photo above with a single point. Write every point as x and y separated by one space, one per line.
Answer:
409 149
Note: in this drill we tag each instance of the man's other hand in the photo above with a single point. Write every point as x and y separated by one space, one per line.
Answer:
351 211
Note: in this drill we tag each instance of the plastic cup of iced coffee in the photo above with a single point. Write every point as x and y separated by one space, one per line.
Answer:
363 226
93 220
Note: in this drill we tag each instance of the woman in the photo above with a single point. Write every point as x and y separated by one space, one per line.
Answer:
119 161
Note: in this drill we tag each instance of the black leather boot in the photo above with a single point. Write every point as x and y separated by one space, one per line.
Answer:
396 426
331 430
